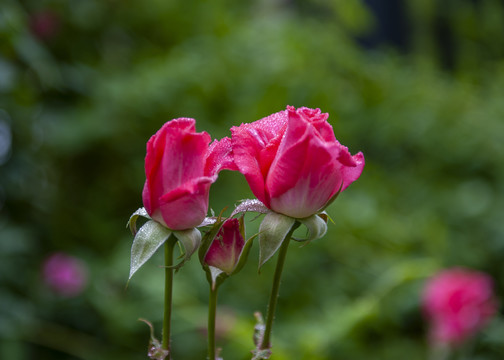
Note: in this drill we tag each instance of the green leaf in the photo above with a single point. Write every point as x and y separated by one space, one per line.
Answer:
134 217
316 226
272 232
190 240
147 240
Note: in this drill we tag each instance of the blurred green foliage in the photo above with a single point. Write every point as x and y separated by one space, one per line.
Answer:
85 83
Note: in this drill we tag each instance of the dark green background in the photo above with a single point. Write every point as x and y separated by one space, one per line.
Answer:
418 90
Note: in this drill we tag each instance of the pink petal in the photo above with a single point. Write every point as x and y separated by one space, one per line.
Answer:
352 173
303 178
220 157
458 303
248 141
317 119
175 156
186 206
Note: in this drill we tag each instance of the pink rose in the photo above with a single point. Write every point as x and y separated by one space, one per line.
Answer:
293 162
458 303
180 166
64 274
45 24
226 248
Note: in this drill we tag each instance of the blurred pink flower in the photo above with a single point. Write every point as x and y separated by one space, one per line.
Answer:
65 274
457 304
45 24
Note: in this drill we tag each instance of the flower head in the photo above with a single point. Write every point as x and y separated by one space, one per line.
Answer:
293 162
64 274
457 304
180 166
45 24
226 248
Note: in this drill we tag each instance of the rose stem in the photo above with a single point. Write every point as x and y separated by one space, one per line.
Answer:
439 352
265 344
168 247
212 309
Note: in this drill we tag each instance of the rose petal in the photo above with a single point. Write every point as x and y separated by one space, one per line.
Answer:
248 141
220 157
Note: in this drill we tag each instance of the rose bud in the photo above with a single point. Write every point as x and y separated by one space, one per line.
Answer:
45 24
226 248
180 166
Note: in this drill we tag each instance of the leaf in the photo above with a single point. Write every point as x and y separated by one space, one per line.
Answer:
316 226
147 240
190 240
272 232
250 205
134 217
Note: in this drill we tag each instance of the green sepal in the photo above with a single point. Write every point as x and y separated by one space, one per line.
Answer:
272 232
249 205
134 217
207 239
215 276
316 226
244 255
208 221
189 240
147 240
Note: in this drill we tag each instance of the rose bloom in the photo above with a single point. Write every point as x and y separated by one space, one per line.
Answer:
293 162
45 24
180 166
458 303
65 274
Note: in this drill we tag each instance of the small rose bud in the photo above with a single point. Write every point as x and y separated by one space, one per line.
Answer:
226 248
457 304
45 25
64 274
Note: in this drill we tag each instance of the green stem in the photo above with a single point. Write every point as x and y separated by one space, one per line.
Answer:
168 250
282 252
439 352
212 310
